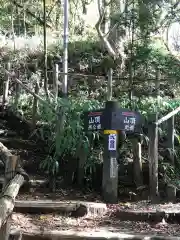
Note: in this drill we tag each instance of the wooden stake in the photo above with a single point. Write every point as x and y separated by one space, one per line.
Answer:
17 95
35 106
157 83
55 81
82 155
170 137
137 163
109 85
6 85
153 158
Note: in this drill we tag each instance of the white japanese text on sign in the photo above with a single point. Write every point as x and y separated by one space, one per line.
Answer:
112 142
94 123
129 123
113 168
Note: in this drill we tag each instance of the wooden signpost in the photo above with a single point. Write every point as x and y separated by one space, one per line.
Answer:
110 120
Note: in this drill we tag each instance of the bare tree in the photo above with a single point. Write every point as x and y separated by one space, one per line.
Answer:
114 43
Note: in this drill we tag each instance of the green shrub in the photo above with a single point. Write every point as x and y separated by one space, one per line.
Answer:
72 139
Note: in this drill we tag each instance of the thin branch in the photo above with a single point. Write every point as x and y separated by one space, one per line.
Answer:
41 22
175 5
165 21
50 11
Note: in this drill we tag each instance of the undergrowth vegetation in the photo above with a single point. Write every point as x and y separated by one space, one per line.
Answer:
73 141
88 56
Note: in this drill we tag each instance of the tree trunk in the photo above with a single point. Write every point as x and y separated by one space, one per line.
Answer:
24 20
45 53
9 174
7 200
106 20
110 42
58 14
12 28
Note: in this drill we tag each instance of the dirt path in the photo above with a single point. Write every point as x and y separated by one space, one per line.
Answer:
71 194
31 223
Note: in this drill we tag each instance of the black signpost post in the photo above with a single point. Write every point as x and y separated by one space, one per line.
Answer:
110 165
111 119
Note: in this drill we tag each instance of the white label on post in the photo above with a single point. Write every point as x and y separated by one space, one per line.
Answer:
112 142
113 168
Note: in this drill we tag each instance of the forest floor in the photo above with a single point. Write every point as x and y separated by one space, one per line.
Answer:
29 223
32 223
112 221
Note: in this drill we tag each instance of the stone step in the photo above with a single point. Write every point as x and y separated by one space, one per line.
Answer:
72 208
88 234
82 208
147 213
